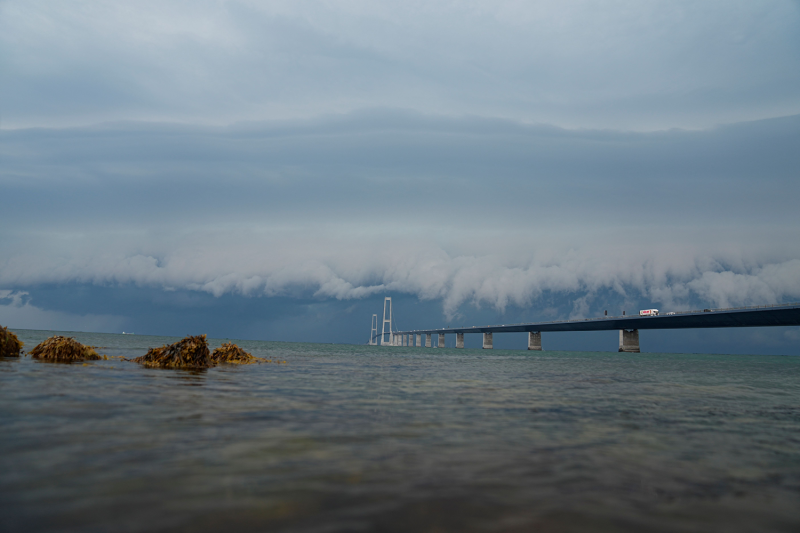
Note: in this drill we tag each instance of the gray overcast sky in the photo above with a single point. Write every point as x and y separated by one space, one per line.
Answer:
587 64
525 159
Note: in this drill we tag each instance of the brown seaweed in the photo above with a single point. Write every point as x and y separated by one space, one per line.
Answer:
231 353
64 350
189 353
10 345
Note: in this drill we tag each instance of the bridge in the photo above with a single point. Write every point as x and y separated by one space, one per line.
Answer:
628 326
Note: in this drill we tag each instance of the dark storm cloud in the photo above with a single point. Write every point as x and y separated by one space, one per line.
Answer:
373 161
461 210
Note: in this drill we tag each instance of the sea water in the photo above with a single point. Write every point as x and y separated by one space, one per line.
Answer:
370 438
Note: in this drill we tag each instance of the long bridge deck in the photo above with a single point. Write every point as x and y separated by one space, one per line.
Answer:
740 317
628 326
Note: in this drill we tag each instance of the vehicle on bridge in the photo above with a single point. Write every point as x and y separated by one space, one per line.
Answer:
648 312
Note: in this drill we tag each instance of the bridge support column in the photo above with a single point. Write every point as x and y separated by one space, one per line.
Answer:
629 340
535 340
459 340
440 344
405 339
427 340
418 341
487 341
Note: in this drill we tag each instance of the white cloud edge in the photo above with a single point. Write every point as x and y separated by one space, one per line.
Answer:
673 278
20 313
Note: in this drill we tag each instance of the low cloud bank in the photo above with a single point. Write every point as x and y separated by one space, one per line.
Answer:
17 311
671 277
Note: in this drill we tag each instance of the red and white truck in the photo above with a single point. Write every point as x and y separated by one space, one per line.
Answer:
648 312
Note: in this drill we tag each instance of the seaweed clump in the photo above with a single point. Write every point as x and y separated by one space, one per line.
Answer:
189 353
10 345
230 353
64 350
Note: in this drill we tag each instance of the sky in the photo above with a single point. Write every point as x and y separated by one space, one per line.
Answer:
272 170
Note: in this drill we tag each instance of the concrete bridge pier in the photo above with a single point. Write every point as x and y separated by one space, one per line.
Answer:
459 340
535 340
427 340
418 341
405 339
629 340
440 344
487 341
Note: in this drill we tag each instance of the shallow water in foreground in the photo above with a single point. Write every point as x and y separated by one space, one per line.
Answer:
358 438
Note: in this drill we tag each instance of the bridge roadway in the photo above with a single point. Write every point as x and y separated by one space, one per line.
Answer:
777 315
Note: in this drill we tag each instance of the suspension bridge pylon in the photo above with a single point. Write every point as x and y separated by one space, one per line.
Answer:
384 340
373 332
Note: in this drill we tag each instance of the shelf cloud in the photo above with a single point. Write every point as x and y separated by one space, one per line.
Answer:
490 213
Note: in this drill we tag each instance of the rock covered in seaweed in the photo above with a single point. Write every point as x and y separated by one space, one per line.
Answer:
189 353
10 345
231 353
64 350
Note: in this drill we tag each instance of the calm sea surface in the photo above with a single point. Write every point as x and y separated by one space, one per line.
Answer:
364 438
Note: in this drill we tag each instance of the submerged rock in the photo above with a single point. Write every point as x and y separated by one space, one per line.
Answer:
189 353
64 350
10 345
231 353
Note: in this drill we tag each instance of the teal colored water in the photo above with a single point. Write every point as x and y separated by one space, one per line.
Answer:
360 438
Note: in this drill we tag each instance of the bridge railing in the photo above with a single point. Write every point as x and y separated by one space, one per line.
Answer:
735 308
674 313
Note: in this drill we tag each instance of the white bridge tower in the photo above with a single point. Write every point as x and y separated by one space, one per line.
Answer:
384 340
373 332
